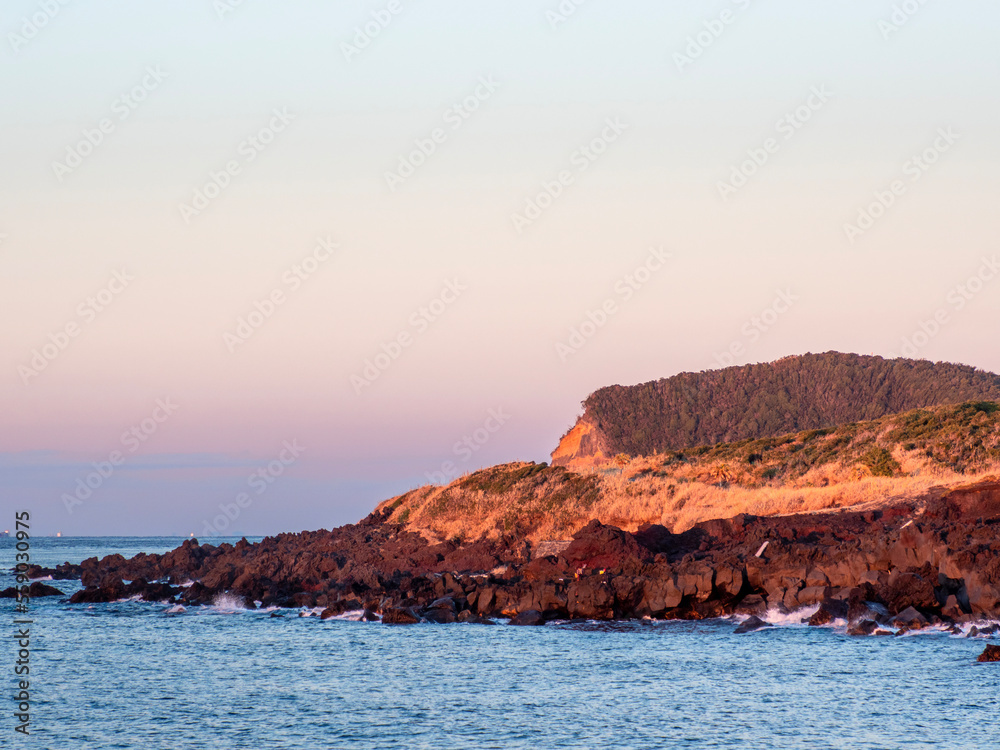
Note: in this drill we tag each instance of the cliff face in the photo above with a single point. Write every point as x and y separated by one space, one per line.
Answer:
812 391
583 446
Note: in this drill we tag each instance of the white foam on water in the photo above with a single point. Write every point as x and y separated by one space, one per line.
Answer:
778 618
43 578
175 610
354 615
980 624
228 604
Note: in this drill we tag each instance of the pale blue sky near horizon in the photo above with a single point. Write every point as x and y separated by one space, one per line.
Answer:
497 345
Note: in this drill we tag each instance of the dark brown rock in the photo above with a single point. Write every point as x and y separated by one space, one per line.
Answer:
753 604
829 610
992 653
945 563
659 595
441 615
909 590
600 547
591 600
400 616
530 618
36 590
910 619
754 623
865 627
470 617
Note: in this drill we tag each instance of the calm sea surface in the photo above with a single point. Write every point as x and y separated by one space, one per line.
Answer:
133 675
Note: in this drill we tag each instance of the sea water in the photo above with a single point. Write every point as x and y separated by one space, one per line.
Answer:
137 675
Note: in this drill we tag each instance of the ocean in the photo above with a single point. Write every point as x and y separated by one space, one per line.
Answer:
137 675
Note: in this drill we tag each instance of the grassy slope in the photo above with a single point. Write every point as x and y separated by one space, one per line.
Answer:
866 463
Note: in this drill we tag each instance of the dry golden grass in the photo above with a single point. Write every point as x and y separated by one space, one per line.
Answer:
811 471
628 502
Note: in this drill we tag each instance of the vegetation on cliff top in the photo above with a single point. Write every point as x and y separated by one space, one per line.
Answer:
813 391
854 464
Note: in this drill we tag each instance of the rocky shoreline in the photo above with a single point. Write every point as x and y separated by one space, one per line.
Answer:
930 561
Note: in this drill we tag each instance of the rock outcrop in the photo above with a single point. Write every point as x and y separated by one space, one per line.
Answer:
992 653
909 564
36 590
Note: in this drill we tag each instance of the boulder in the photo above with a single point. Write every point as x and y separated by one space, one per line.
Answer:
443 603
600 547
829 610
530 618
150 592
952 608
553 601
485 600
812 595
696 581
35 591
471 617
38 589
399 616
441 616
907 590
992 653
910 619
729 580
754 623
110 590
659 595
591 600
753 604
865 627
866 610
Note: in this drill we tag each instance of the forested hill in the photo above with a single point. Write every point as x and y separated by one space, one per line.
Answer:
811 391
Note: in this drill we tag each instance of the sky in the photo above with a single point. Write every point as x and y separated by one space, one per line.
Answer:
266 264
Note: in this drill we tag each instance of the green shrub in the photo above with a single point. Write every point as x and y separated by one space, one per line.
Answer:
880 462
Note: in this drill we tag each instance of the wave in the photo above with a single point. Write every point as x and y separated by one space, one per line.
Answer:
354 615
229 604
800 617
776 617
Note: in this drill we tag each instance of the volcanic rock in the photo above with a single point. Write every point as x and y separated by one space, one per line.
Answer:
532 617
910 619
400 616
992 653
440 615
36 590
754 623
865 627
829 610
